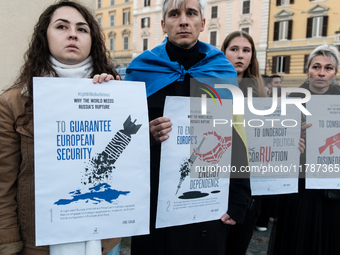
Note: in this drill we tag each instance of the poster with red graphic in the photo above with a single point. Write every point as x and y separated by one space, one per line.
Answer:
323 143
195 162
273 145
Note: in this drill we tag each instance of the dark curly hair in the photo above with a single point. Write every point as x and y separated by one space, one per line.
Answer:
36 58
253 70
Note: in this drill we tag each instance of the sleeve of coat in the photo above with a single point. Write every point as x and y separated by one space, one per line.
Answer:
239 189
10 158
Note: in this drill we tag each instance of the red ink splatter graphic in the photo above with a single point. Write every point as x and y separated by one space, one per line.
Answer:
214 156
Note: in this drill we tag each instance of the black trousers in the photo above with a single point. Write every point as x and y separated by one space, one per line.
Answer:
239 235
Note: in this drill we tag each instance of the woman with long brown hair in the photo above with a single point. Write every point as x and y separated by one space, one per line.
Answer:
67 42
37 58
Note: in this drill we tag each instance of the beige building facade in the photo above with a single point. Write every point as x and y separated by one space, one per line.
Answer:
18 20
251 16
147 31
295 29
222 17
115 18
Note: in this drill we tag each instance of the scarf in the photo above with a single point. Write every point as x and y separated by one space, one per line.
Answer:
81 70
80 248
157 70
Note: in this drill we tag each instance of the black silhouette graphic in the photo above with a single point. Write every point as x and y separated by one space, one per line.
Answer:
100 167
193 195
185 166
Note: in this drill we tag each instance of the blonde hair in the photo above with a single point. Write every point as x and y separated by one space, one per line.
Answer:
325 50
178 3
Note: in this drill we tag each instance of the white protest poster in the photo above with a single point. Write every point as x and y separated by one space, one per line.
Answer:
91 144
323 143
194 174
273 144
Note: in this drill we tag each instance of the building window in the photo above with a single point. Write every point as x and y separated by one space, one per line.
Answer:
246 7
213 38
126 42
245 29
99 4
284 2
146 2
126 17
145 22
112 20
111 44
99 20
145 44
214 12
283 30
317 26
112 2
280 64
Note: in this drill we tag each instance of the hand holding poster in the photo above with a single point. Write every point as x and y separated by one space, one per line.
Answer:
85 135
323 143
194 176
273 142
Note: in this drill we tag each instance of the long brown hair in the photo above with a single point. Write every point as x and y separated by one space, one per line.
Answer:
253 70
36 58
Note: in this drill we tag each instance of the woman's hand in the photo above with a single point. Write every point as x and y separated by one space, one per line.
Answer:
104 77
304 126
302 141
302 145
159 129
227 220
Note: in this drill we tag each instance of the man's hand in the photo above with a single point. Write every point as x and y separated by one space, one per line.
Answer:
227 220
103 77
159 129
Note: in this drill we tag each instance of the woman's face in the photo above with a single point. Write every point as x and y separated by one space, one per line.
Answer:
239 53
69 36
321 73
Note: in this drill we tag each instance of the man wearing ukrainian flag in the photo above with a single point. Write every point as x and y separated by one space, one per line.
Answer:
166 71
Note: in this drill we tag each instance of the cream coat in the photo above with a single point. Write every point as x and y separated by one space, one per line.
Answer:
17 222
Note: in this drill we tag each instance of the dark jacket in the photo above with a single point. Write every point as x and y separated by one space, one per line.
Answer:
200 238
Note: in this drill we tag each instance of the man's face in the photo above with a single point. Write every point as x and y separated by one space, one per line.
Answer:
276 82
183 25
